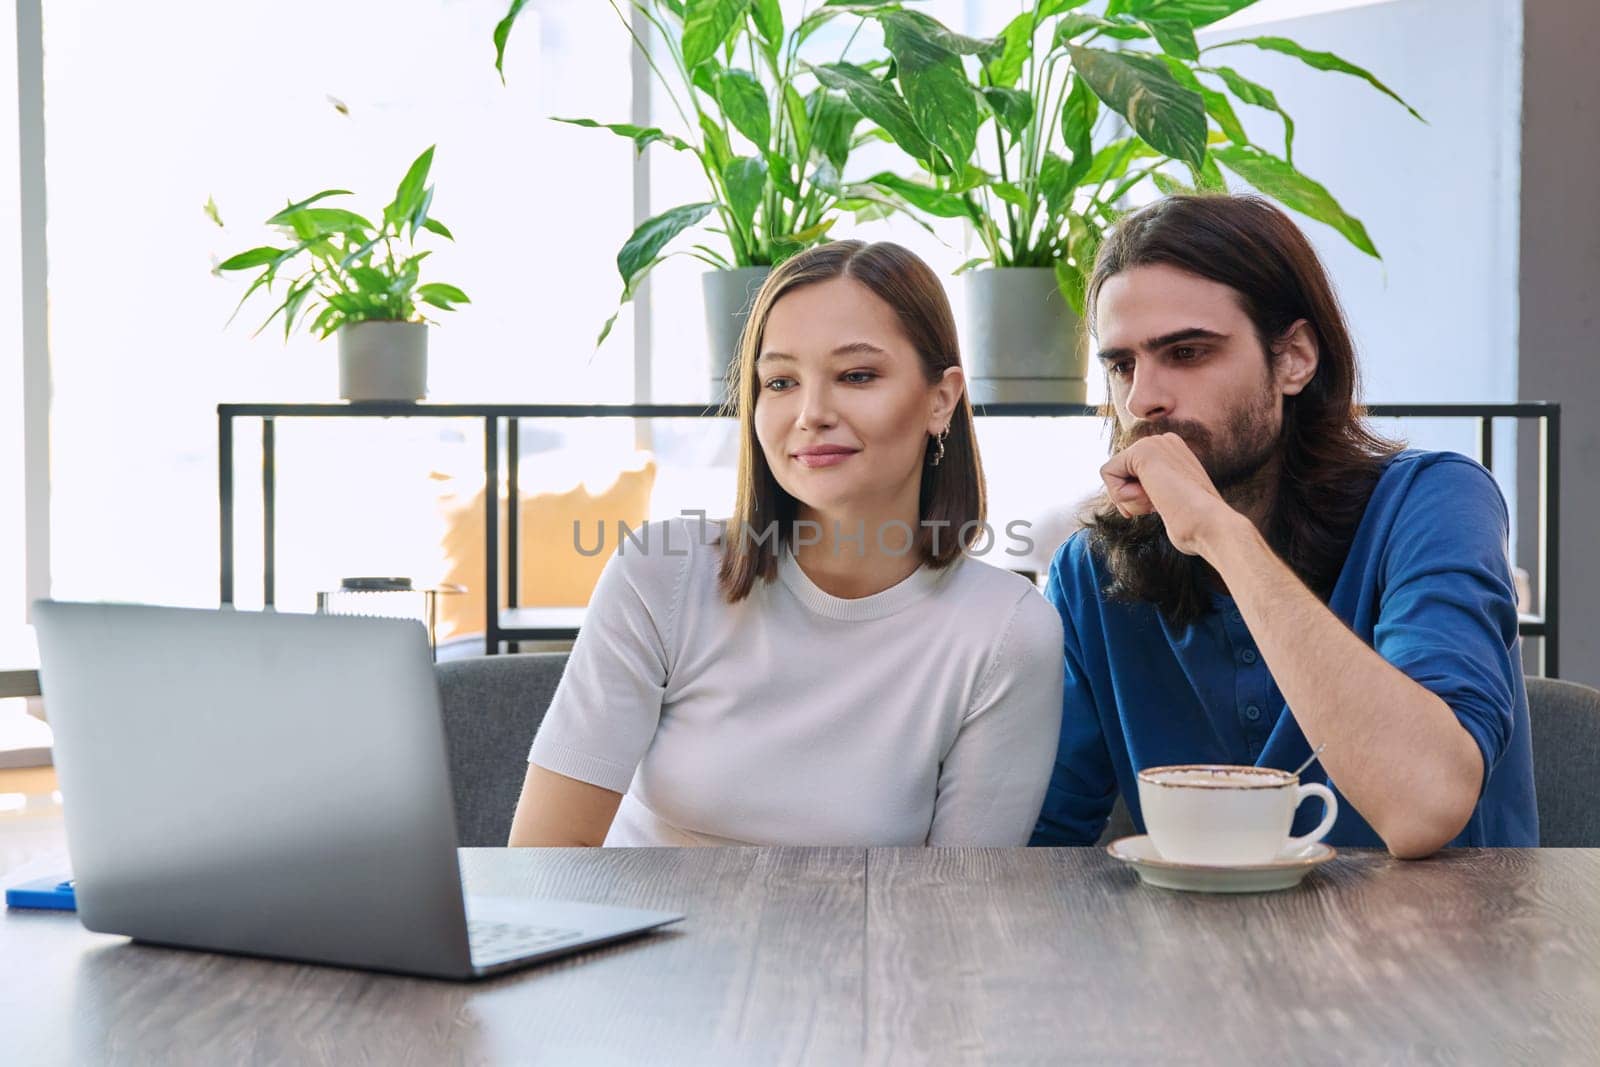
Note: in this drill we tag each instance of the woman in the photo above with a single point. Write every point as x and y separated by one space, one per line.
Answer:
834 667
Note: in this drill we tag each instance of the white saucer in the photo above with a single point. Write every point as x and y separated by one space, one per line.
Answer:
1282 873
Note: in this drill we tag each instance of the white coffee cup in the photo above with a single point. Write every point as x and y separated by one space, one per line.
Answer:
1221 815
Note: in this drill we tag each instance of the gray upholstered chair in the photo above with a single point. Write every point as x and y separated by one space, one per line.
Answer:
1565 719
492 707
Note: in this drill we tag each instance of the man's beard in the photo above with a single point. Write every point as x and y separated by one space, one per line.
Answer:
1142 564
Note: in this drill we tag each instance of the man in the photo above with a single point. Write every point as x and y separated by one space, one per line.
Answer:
1264 574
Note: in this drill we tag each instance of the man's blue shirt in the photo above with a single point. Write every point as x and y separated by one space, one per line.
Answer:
1426 583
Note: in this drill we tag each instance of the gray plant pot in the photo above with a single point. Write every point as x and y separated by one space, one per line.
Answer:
729 295
1022 338
383 361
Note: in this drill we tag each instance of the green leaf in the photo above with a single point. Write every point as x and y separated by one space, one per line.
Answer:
1012 107
937 36
281 218
768 16
1073 269
1017 38
745 179
329 220
778 174
640 250
704 77
794 242
441 295
255 257
1191 12
1281 181
295 295
1072 281
1051 8
716 142
975 261
1175 37
706 24
1259 96
1071 27
420 216
1321 61
291 306
370 279
744 101
345 302
502 32
435 226
1078 116
935 85
1219 108
326 322
1211 179
1169 117
1112 161
641 136
1011 194
1056 182
1170 186
825 176
880 104
832 119
794 107
605 330
409 193
924 197
211 210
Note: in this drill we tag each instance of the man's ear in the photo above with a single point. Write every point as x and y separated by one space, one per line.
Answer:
1295 357
946 395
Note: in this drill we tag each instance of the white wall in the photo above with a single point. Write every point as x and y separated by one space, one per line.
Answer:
1437 319
1560 234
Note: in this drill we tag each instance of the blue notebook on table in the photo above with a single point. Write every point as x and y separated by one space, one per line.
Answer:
50 894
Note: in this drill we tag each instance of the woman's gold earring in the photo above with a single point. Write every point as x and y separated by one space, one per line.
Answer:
938 445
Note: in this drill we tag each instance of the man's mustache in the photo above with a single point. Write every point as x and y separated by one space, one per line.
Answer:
1195 435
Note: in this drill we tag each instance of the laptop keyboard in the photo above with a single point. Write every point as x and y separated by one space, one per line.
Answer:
497 940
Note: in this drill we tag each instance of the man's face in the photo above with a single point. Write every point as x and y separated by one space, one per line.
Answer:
1181 356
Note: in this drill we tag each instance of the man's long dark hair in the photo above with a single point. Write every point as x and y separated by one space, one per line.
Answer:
1329 458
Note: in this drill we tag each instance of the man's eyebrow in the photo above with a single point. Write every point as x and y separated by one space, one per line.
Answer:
1188 333
853 348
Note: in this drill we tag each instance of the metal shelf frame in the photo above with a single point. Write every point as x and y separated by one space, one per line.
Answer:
1544 624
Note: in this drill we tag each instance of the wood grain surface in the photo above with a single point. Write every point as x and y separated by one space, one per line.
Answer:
844 956
766 969
1061 955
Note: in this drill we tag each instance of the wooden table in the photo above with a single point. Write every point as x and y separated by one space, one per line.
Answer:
840 956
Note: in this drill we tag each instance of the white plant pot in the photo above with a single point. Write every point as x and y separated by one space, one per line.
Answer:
1022 339
383 361
729 296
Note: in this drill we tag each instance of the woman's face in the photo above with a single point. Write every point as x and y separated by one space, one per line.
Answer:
843 406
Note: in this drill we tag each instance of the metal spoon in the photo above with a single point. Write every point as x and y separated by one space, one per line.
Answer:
1311 759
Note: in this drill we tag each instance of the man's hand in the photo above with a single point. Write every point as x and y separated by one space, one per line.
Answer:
1161 474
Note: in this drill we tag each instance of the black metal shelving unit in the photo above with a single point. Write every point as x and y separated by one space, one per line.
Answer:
513 623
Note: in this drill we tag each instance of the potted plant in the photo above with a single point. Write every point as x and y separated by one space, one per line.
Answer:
1072 126
771 138
361 281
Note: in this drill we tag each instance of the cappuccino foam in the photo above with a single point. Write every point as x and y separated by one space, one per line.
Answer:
1230 778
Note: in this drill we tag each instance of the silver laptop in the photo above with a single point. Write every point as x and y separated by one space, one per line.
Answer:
276 785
